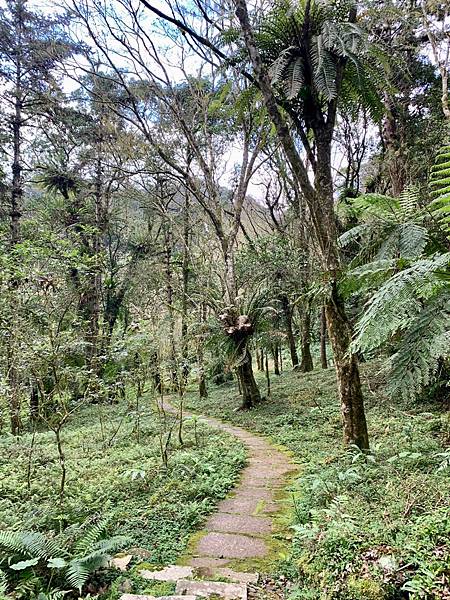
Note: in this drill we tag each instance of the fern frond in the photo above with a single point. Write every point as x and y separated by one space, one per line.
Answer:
25 543
409 201
398 302
413 239
439 184
90 537
77 574
414 365
324 68
3 584
352 235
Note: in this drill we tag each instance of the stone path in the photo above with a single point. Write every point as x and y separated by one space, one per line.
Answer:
242 523
237 532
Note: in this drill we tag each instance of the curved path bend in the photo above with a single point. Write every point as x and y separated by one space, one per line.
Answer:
239 532
240 528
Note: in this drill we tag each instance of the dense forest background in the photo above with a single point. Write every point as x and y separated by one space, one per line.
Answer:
235 207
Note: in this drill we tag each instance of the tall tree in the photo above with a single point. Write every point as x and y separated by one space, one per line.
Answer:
31 48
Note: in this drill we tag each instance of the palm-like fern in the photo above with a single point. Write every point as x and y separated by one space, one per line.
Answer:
440 186
57 178
412 309
74 562
388 228
303 44
252 310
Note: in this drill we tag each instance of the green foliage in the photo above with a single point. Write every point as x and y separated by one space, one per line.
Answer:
157 512
440 186
303 46
411 309
387 227
364 525
58 558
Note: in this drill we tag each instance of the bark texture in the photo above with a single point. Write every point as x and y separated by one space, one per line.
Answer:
307 361
347 370
249 388
323 339
320 202
287 311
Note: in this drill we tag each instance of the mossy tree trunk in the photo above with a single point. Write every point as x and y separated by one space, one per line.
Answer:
306 364
249 388
287 311
319 197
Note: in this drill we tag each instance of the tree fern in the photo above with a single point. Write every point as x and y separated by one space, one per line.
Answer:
424 345
296 66
397 303
388 227
412 310
440 186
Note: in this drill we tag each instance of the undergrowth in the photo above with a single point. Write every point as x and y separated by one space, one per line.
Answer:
115 471
367 526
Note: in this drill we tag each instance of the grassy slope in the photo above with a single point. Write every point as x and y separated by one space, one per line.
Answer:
124 481
363 525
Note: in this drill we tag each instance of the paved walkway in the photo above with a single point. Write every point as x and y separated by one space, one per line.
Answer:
238 530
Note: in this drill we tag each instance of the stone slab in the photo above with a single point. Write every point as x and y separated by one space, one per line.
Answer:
170 573
247 506
238 576
239 524
259 493
146 597
208 562
227 591
121 562
228 545
263 482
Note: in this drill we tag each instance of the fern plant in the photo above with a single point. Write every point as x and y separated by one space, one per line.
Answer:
57 559
302 44
409 308
388 228
440 186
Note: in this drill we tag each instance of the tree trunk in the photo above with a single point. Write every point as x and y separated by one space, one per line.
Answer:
34 402
184 299
287 310
393 145
258 360
269 391
202 389
276 363
170 309
260 352
305 325
16 188
249 388
323 339
320 201
156 373
347 370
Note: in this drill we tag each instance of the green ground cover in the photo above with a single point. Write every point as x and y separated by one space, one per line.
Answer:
364 527
116 473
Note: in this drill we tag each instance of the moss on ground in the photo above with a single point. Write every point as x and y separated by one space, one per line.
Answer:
116 472
360 525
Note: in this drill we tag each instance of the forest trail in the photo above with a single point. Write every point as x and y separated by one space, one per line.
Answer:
223 558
